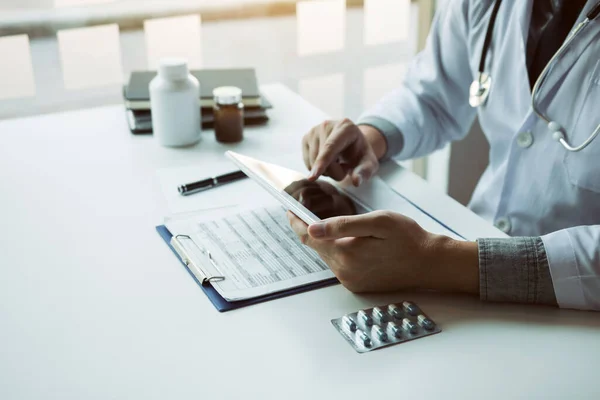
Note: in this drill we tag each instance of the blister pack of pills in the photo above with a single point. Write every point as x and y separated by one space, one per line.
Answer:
382 326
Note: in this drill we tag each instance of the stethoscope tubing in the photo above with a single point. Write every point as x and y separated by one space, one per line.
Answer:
488 36
558 130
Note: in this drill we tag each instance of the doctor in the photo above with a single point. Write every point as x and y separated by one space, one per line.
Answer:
535 86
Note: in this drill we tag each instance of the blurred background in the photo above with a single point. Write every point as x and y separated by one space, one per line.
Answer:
341 55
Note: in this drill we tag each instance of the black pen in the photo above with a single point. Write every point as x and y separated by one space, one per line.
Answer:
208 183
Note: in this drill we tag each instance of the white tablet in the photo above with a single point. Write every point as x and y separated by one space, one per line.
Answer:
310 201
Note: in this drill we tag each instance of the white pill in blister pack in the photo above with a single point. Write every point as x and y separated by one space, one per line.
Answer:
364 318
362 338
379 333
394 330
410 308
395 311
349 323
425 322
379 316
409 326
381 326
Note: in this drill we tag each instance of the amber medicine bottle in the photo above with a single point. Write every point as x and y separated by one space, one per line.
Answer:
229 114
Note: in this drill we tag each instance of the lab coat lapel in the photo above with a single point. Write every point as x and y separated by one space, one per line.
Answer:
523 18
524 22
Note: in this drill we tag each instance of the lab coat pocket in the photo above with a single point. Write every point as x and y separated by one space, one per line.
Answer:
583 167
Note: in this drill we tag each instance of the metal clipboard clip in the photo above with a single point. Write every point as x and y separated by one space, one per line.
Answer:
185 255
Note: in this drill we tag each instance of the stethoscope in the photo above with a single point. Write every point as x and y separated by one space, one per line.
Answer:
480 88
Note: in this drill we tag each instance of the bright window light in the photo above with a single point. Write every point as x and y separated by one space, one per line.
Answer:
321 26
90 56
325 92
77 3
174 37
16 71
386 21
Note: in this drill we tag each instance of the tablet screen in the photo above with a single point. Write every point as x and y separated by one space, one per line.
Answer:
321 198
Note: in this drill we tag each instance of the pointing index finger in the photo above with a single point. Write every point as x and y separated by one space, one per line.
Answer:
329 152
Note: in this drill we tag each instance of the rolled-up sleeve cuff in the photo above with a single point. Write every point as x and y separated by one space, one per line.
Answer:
564 272
515 270
392 135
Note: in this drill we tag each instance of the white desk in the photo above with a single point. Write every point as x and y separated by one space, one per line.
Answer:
93 305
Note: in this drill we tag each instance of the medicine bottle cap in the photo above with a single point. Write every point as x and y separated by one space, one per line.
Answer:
227 95
173 68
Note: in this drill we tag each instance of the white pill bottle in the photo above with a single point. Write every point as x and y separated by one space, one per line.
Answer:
174 103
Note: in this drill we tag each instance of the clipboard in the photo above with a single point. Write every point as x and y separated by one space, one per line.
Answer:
197 272
192 254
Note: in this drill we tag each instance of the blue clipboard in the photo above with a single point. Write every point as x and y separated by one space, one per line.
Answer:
223 305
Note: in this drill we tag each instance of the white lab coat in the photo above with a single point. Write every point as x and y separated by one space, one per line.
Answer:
532 184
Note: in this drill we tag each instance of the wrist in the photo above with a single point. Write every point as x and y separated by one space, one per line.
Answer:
453 265
375 139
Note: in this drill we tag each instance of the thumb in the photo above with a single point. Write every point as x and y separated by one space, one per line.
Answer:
375 224
366 168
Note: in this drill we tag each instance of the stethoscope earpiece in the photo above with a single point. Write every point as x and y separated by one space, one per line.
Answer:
558 136
557 130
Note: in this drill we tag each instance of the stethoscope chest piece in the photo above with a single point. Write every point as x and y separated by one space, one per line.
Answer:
480 90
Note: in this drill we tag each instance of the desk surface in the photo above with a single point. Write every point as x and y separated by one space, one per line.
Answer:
94 305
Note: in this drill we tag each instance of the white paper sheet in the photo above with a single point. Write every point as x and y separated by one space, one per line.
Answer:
249 238
255 250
